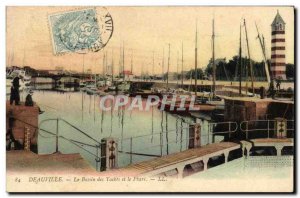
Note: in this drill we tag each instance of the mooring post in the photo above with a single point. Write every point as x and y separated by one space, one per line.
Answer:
109 154
194 136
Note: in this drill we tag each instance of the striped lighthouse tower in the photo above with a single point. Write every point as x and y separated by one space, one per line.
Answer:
278 48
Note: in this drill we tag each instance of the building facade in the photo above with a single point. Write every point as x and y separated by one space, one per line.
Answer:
278 67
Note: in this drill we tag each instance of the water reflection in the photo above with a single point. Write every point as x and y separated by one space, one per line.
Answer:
164 132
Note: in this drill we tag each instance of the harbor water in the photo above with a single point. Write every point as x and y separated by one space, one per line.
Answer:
153 132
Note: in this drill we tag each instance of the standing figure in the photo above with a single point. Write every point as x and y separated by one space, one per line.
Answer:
28 100
12 95
278 82
15 95
272 89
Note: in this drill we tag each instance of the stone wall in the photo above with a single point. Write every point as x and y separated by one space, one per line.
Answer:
19 117
240 109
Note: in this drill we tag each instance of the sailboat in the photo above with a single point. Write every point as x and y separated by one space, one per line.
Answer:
176 95
124 85
112 87
91 88
214 100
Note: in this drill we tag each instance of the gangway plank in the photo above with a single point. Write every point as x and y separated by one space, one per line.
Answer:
176 160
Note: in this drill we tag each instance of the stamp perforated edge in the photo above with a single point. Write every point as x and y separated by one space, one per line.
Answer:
73 10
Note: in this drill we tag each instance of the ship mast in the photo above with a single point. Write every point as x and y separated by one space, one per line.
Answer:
240 62
182 65
177 70
120 62
163 64
112 66
103 65
262 45
106 68
123 63
168 68
213 59
131 67
153 65
196 49
250 62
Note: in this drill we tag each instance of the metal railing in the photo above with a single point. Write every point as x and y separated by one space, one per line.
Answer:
80 144
264 126
132 151
164 137
219 128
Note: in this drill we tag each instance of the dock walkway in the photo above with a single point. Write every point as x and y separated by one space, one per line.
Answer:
277 143
178 161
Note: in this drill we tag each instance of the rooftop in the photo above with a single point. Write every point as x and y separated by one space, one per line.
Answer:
278 19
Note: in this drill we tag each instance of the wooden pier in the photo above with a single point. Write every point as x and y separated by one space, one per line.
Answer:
278 143
23 162
177 161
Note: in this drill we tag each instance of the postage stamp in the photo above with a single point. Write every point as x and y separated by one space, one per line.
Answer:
80 30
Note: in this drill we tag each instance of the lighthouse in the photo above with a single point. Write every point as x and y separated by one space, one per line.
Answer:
278 67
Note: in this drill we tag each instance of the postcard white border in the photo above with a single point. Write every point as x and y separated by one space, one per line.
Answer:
5 3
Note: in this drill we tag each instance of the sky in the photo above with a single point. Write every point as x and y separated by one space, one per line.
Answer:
144 31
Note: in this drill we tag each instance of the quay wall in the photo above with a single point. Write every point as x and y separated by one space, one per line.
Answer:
241 110
19 117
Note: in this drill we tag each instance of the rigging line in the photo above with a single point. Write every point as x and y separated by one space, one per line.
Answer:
287 107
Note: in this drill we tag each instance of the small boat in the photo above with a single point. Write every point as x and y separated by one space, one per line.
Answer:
145 93
82 84
95 91
112 88
91 90
123 86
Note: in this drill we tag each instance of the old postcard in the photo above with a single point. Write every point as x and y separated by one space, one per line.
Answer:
150 99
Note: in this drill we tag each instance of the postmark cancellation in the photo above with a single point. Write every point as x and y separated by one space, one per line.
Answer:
80 30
